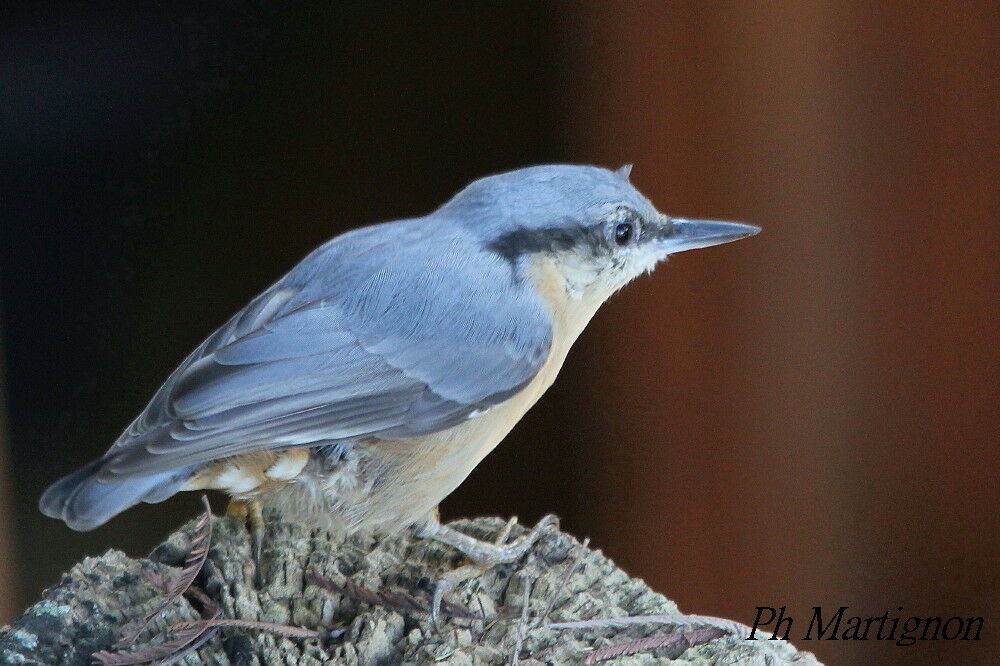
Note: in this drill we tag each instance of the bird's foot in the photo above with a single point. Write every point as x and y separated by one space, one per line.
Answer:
252 515
484 554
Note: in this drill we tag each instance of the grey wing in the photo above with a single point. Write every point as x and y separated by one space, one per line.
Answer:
378 348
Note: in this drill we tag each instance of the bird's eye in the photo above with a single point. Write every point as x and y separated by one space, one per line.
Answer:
624 232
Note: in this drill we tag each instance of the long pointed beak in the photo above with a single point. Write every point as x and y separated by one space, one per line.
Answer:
679 235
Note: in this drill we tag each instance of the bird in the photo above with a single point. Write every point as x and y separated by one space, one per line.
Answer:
361 388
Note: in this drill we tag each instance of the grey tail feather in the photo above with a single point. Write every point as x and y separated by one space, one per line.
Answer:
84 502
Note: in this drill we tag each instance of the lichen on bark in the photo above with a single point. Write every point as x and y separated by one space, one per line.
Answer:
561 579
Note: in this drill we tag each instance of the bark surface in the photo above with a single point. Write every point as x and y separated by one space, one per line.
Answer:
375 618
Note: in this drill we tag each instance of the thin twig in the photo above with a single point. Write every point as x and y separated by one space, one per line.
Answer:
728 626
196 645
687 639
522 623
195 560
188 639
397 601
209 607
156 579
197 554
286 630
157 653
564 583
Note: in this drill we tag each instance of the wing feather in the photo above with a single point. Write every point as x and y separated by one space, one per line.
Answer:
366 338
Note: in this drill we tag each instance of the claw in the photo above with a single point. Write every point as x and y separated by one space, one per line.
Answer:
483 553
446 584
439 592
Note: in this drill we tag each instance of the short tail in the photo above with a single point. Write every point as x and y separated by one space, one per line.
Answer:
84 502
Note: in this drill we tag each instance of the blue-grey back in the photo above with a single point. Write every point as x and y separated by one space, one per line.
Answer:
387 331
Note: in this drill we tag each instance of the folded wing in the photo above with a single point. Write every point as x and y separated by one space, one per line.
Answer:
409 348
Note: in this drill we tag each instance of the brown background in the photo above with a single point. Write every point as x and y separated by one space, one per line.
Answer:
806 418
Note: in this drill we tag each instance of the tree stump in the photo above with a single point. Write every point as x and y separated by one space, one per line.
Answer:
365 601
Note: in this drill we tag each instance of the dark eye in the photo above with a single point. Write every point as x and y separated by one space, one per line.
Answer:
624 232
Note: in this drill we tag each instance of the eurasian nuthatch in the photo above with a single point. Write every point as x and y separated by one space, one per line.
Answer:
366 384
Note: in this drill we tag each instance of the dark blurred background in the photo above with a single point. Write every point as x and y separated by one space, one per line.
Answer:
806 418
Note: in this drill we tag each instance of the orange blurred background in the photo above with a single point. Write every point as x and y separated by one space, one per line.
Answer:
806 418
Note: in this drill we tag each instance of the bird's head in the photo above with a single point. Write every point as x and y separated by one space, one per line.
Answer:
598 229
